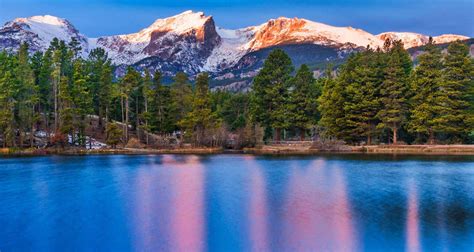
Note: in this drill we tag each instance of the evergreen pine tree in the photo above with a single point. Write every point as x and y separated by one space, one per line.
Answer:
181 97
100 81
162 106
148 91
65 113
331 102
232 108
82 100
105 92
362 101
450 98
394 90
74 47
7 102
302 101
113 135
270 93
130 81
201 117
44 79
426 82
56 76
470 110
27 95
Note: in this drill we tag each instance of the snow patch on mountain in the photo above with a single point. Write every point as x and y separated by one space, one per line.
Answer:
233 46
411 39
338 35
446 38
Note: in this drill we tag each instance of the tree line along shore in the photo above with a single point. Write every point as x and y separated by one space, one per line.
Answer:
58 100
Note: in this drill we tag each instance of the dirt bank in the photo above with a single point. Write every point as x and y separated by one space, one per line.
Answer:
372 149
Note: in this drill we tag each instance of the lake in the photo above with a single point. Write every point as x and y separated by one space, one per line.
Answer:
237 203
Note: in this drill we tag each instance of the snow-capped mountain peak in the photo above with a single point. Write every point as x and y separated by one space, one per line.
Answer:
46 19
39 31
295 30
182 22
188 37
178 24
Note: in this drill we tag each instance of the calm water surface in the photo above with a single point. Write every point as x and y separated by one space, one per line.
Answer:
237 203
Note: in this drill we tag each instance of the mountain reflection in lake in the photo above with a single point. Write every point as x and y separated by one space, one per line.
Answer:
237 203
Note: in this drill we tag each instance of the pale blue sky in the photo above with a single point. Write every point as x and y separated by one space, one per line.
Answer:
108 17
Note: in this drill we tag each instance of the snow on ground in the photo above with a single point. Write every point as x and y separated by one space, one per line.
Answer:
95 145
91 143
41 134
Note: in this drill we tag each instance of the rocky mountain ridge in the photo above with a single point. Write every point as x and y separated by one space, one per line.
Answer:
191 42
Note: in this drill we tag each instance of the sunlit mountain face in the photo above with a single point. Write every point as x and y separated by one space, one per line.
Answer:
192 42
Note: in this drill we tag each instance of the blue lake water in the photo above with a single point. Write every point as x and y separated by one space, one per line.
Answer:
237 203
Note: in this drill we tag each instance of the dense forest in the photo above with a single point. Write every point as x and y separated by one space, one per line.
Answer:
377 96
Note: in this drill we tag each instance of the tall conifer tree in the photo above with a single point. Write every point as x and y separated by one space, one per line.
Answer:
302 101
394 90
27 95
270 92
130 81
181 97
426 82
201 117
451 109
331 102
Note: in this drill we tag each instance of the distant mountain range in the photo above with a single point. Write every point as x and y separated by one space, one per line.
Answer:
191 42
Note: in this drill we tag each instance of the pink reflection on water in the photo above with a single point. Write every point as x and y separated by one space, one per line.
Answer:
318 213
143 211
343 226
303 223
187 218
412 225
258 209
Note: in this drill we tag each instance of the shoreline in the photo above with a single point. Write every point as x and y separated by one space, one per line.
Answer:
369 150
452 150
